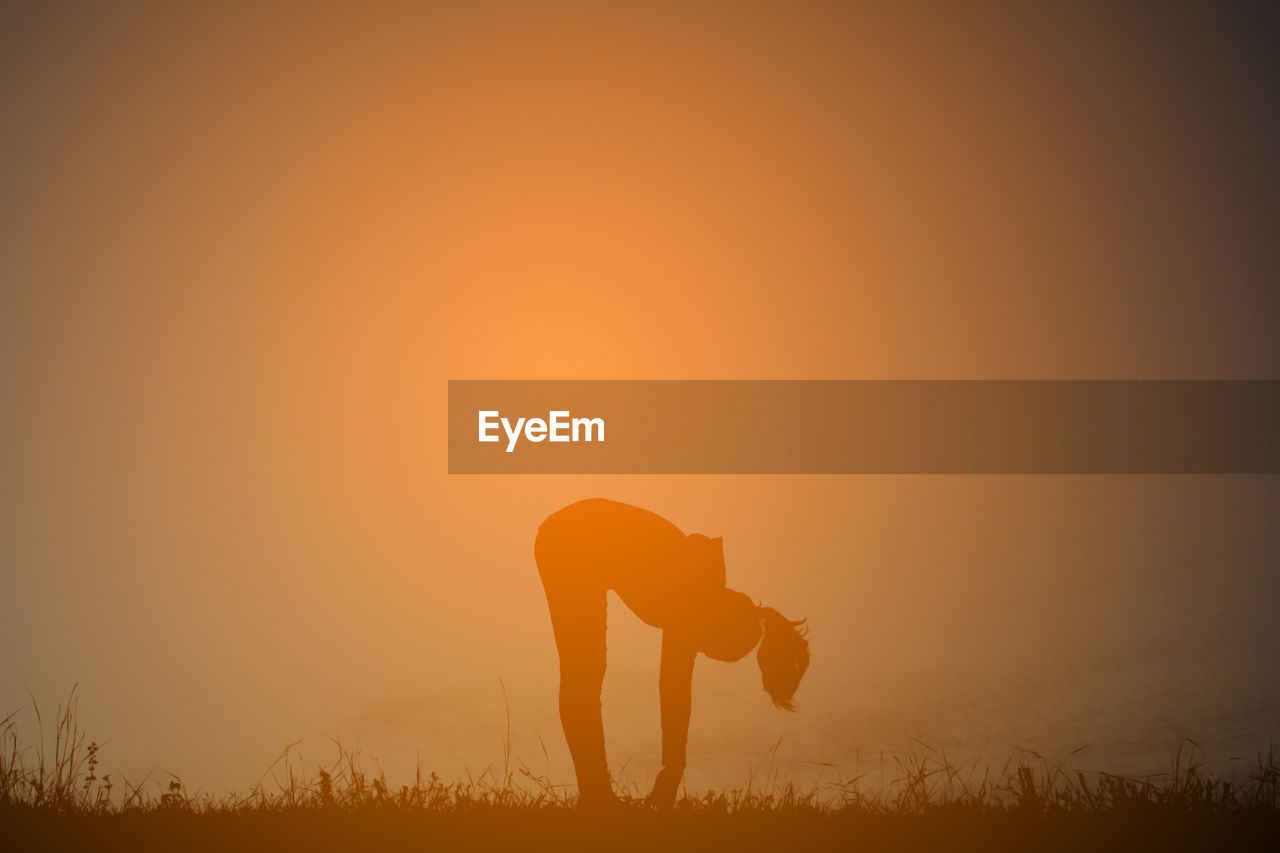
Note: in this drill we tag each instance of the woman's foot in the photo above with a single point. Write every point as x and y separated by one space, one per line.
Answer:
598 801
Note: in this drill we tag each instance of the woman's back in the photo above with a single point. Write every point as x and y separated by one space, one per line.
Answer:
659 573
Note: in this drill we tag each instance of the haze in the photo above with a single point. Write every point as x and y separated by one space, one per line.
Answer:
242 251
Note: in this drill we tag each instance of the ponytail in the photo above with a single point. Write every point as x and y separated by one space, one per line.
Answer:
783 656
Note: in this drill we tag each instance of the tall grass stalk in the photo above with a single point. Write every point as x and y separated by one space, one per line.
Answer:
59 774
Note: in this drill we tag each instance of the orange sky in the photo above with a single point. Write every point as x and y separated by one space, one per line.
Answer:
243 250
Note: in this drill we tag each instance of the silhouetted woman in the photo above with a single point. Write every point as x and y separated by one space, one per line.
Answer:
671 581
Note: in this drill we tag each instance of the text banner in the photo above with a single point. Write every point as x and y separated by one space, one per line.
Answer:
863 427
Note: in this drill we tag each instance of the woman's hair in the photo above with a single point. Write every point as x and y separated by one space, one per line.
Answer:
783 656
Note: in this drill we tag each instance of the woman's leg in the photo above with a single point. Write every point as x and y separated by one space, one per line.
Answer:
578 611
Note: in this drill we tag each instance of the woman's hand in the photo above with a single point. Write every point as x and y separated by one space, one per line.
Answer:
675 686
665 786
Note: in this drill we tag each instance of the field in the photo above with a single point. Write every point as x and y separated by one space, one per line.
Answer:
60 798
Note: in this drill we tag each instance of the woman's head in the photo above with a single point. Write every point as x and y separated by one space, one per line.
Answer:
733 625
729 627
783 657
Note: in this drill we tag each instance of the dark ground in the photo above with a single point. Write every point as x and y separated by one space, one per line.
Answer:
561 829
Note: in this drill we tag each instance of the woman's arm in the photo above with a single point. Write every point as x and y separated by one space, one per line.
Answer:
675 688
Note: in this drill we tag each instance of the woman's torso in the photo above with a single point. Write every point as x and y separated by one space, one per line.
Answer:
659 573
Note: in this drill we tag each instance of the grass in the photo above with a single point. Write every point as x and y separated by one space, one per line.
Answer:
53 796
